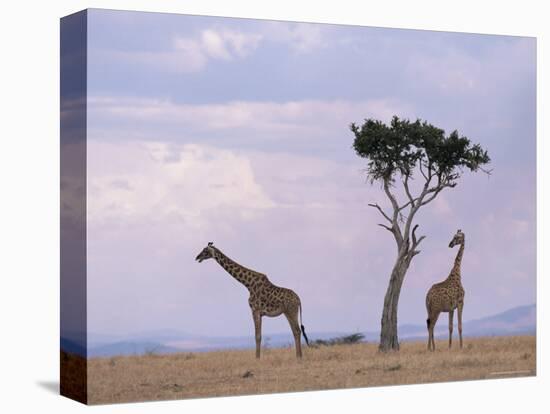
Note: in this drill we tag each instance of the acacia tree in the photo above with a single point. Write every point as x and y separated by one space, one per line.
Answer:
397 154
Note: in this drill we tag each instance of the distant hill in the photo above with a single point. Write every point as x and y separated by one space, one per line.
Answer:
517 321
520 320
131 348
167 344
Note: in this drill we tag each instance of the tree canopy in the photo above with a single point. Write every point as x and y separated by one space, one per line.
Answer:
403 145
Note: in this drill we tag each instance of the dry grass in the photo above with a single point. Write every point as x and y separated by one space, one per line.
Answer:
154 377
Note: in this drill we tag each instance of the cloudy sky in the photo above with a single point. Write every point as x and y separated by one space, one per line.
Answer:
236 131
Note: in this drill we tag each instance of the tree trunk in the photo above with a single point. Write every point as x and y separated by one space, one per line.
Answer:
388 333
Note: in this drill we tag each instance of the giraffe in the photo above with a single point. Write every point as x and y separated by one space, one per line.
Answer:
447 296
265 299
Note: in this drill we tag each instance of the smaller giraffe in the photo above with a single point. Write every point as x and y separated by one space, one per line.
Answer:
447 296
265 299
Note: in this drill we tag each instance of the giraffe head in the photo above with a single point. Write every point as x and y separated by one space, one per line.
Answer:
457 239
206 253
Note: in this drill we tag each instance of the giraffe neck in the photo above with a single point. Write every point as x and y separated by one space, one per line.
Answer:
233 268
455 273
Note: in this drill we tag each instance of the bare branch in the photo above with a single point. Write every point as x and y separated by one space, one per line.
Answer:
421 170
408 203
401 216
431 198
392 198
418 204
416 241
397 230
430 171
381 211
414 234
436 191
412 200
386 227
431 190
407 190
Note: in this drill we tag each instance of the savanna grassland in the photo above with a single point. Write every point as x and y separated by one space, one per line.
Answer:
237 372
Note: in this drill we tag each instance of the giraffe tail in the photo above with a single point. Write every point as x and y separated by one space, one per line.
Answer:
302 326
428 322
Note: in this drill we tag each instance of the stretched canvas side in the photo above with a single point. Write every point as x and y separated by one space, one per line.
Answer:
73 363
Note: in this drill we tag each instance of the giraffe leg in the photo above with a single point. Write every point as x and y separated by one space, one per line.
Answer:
431 345
460 307
433 319
258 328
430 330
428 321
295 327
451 315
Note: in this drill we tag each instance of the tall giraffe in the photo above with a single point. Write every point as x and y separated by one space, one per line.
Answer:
447 296
265 299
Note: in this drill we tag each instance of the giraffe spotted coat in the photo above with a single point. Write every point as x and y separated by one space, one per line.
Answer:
447 296
266 299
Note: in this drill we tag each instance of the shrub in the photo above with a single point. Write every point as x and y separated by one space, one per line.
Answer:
340 340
